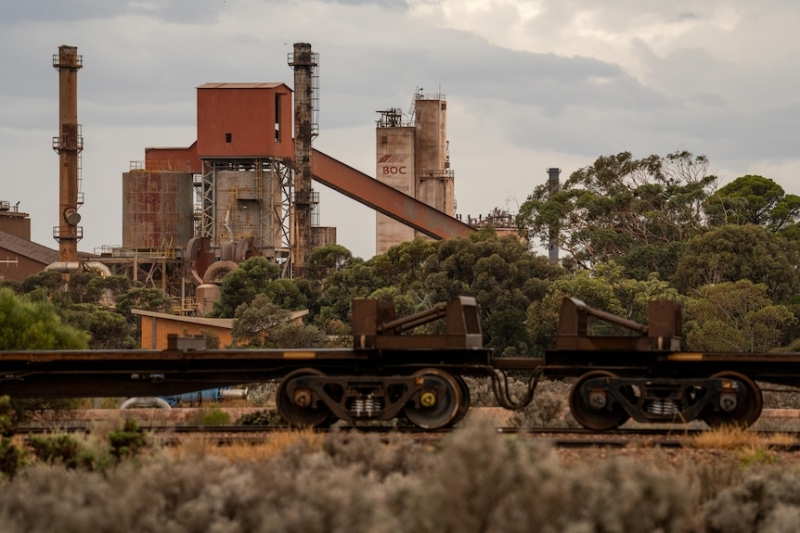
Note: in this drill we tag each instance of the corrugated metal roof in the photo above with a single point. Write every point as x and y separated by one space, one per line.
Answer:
218 322
32 250
271 85
29 249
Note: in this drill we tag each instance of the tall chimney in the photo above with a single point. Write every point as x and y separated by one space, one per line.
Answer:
552 188
68 145
303 61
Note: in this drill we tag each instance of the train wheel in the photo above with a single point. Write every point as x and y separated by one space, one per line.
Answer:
465 400
592 409
439 402
297 408
747 410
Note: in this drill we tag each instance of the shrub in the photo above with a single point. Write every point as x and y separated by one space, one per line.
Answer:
764 502
62 449
214 416
128 441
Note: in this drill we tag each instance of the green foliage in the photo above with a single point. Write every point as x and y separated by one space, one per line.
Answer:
128 441
253 322
502 274
326 260
62 449
604 288
6 417
358 280
26 408
108 330
732 253
294 335
243 284
265 324
143 298
12 458
46 282
214 416
286 294
34 326
735 317
630 210
753 200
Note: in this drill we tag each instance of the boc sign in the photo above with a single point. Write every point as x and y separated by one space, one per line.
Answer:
393 165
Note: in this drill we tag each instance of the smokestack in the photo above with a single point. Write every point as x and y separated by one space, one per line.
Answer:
552 188
303 61
68 145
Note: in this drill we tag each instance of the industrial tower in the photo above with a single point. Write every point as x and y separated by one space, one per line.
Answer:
68 145
413 158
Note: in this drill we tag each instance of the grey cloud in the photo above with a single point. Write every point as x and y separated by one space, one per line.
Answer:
400 5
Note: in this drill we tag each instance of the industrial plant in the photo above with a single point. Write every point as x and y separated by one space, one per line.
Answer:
243 187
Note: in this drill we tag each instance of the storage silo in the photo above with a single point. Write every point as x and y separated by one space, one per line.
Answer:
435 179
394 167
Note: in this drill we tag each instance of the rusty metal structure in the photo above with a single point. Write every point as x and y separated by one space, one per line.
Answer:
624 370
306 95
387 200
244 188
68 145
384 375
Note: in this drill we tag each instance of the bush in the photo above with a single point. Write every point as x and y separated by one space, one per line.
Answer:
768 502
62 449
214 416
128 441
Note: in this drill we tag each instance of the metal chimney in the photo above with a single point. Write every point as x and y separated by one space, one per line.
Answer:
68 145
552 187
304 63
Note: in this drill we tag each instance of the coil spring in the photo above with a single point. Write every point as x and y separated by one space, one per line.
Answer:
663 407
366 406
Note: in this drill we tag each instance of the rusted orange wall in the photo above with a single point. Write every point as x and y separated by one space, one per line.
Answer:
161 328
247 113
176 159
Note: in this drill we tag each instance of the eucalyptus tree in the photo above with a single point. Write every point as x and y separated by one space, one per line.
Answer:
638 212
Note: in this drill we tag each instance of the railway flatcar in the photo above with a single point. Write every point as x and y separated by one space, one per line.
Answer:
646 376
387 373
642 374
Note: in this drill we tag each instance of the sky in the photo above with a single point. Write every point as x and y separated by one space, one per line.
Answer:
529 85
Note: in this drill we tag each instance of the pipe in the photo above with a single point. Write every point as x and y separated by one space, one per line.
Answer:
143 401
98 267
63 266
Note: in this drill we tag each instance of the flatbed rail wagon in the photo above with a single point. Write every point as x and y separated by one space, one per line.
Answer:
641 374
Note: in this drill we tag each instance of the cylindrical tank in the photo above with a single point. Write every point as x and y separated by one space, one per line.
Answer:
157 209
207 294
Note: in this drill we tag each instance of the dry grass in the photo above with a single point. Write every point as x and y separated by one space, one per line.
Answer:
750 446
275 444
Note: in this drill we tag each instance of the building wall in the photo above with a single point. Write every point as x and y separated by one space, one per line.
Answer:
177 159
15 267
155 331
239 120
244 209
16 224
395 167
157 209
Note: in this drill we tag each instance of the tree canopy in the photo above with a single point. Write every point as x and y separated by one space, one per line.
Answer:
634 211
753 200
28 325
731 253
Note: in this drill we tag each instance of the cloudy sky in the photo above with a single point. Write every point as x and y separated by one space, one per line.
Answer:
530 84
